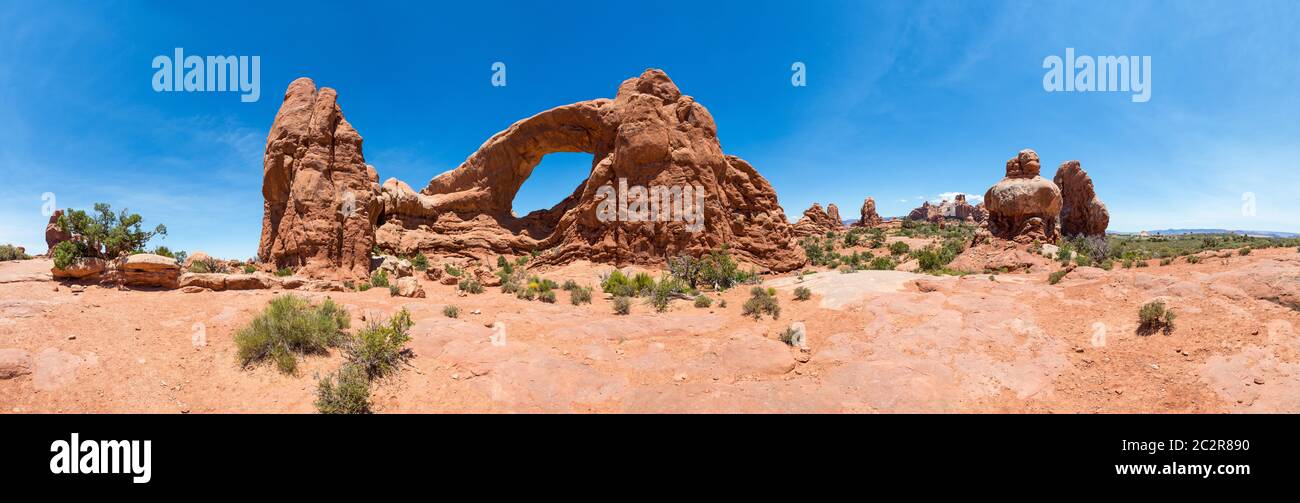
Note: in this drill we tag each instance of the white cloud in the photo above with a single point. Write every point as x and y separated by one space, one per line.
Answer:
971 199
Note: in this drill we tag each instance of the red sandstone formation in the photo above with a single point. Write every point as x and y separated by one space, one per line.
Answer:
869 216
1024 206
815 221
54 234
660 185
1082 212
319 210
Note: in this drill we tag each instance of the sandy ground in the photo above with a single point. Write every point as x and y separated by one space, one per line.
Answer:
879 341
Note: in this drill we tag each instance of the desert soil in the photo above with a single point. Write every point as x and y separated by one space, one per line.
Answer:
878 341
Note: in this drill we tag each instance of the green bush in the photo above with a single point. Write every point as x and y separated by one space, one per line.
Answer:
1244 251
379 278
569 285
1154 316
686 268
580 295
703 301
547 296
379 348
622 305
618 284
344 392
420 262
453 270
1193 259
284 271
802 293
451 311
291 325
470 285
393 290
899 248
10 252
1056 277
364 286
761 301
720 272
882 264
105 234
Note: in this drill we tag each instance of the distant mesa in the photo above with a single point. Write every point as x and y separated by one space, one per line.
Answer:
325 210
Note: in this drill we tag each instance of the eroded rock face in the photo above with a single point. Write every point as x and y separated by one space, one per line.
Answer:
816 221
1082 212
1024 206
54 234
869 216
927 212
649 136
319 209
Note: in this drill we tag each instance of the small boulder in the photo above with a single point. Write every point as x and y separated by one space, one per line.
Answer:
410 287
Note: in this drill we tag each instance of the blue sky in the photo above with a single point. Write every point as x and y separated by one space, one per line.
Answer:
904 100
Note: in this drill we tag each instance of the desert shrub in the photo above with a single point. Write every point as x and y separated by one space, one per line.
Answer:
802 293
1166 261
882 264
580 295
284 271
703 301
420 262
899 248
1142 263
526 294
686 268
761 301
453 270
1128 264
470 285
365 285
720 272
569 285
1193 259
291 325
1096 247
105 234
1056 277
249 269
1082 260
876 238
643 283
344 392
1154 316
787 335
547 296
10 252
617 284
451 311
1244 251
379 348
722 303
379 278
622 305
393 290
209 265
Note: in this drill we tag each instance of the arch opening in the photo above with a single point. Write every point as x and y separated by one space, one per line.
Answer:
552 180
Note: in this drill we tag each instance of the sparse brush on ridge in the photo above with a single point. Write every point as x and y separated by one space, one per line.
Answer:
451 311
580 295
802 293
703 301
290 326
1056 277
